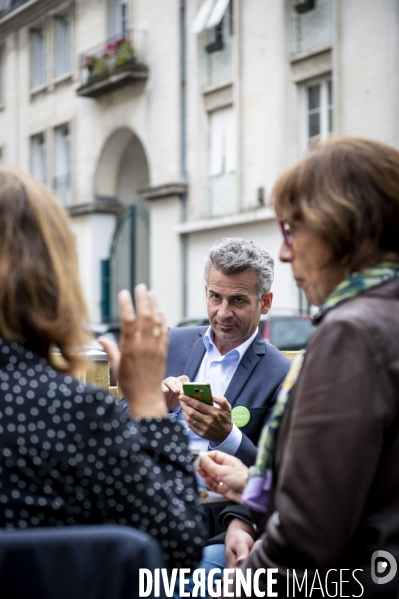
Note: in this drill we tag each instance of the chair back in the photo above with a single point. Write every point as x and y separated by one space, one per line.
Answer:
76 562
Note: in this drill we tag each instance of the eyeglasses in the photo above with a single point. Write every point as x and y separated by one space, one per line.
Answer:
287 230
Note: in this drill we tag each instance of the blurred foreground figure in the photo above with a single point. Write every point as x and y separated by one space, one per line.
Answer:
67 455
324 490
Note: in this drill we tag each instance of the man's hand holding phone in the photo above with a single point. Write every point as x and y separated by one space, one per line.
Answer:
172 388
207 421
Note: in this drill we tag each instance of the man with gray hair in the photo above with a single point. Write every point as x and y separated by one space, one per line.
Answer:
245 372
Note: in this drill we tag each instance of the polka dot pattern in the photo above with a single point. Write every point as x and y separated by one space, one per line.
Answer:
68 456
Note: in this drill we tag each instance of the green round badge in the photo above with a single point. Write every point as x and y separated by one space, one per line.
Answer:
240 415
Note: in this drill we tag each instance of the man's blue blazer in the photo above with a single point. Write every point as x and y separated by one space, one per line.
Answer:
255 383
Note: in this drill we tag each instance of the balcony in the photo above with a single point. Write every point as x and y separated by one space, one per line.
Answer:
119 61
312 29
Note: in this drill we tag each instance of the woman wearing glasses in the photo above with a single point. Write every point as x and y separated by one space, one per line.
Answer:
324 491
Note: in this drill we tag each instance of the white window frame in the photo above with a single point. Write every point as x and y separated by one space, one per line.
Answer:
38 156
62 47
38 69
325 107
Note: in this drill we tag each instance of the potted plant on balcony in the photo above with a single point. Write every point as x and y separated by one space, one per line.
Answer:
124 53
116 55
97 66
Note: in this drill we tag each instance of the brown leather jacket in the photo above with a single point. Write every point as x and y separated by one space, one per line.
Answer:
337 457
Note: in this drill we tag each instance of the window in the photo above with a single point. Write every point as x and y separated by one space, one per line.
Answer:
117 18
62 168
38 161
221 197
318 110
211 13
222 154
214 23
313 28
38 58
222 31
61 46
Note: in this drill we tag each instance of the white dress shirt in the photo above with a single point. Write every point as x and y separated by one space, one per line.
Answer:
217 370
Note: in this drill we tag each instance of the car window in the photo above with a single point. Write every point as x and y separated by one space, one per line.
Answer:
291 334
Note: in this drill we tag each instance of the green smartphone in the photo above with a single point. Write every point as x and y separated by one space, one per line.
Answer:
201 391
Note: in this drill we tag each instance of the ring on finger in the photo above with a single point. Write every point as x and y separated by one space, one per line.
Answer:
194 423
156 331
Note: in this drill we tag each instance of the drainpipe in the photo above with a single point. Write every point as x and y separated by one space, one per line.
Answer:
183 151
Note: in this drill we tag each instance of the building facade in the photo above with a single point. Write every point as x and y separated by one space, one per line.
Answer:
162 125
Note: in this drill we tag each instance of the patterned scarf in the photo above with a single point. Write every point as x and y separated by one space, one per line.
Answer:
257 493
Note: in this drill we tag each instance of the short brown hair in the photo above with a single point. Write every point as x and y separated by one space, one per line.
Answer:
347 191
41 300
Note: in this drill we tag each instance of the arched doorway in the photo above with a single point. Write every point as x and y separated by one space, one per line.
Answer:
121 172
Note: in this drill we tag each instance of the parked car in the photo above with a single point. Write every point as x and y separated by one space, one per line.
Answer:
286 332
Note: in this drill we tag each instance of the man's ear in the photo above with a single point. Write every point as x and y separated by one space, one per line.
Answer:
266 302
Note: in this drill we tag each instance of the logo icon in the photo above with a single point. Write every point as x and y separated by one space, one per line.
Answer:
380 560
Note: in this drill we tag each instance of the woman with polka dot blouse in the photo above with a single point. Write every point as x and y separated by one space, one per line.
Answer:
67 456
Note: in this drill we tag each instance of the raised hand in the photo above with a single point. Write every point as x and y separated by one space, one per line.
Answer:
140 364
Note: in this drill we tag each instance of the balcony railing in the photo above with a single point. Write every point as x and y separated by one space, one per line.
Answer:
312 29
118 61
